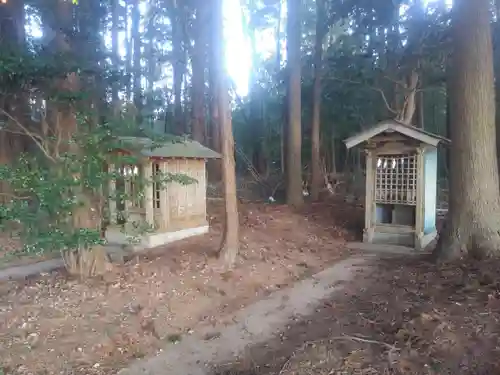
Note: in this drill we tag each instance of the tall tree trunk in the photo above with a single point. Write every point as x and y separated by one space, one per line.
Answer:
393 40
198 78
86 262
115 51
473 224
214 165
215 122
230 246
278 37
448 117
255 118
284 132
129 51
407 111
496 32
179 65
278 69
151 65
88 18
316 125
419 111
333 167
12 35
294 147
136 38
12 23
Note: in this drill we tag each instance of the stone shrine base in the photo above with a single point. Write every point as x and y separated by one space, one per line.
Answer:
115 236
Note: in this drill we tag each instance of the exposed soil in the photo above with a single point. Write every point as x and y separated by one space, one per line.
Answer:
56 325
408 317
252 325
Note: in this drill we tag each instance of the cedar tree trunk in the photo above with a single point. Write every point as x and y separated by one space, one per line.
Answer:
230 245
473 224
294 142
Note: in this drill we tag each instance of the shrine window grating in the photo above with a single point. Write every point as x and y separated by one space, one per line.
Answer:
156 187
130 174
396 179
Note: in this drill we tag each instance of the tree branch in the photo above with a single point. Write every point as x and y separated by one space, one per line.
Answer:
368 341
36 138
395 81
379 90
427 89
10 131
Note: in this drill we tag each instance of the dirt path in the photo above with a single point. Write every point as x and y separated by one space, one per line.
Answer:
52 323
254 324
404 316
23 271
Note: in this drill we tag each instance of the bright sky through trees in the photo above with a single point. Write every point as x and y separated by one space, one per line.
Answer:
238 47
238 54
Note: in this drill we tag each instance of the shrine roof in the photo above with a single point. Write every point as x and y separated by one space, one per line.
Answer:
409 131
188 149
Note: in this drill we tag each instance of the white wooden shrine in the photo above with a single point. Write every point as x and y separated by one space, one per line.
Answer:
172 213
401 183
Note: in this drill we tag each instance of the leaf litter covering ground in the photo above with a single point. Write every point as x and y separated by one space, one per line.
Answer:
55 325
9 257
405 317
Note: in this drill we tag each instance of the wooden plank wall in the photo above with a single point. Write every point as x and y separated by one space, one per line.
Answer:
186 203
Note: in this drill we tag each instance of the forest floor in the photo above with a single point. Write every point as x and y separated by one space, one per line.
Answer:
53 324
404 317
9 257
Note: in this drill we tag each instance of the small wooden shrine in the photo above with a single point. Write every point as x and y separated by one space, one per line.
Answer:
175 212
401 183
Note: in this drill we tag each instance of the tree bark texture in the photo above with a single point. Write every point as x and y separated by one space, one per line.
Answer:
62 116
230 245
11 35
316 180
129 52
284 132
179 65
473 223
198 78
294 147
214 165
136 39
449 89
114 46
152 61
420 111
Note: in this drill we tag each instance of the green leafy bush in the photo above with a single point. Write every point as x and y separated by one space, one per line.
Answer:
59 181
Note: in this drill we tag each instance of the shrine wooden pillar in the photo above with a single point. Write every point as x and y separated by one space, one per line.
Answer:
148 193
112 195
164 207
